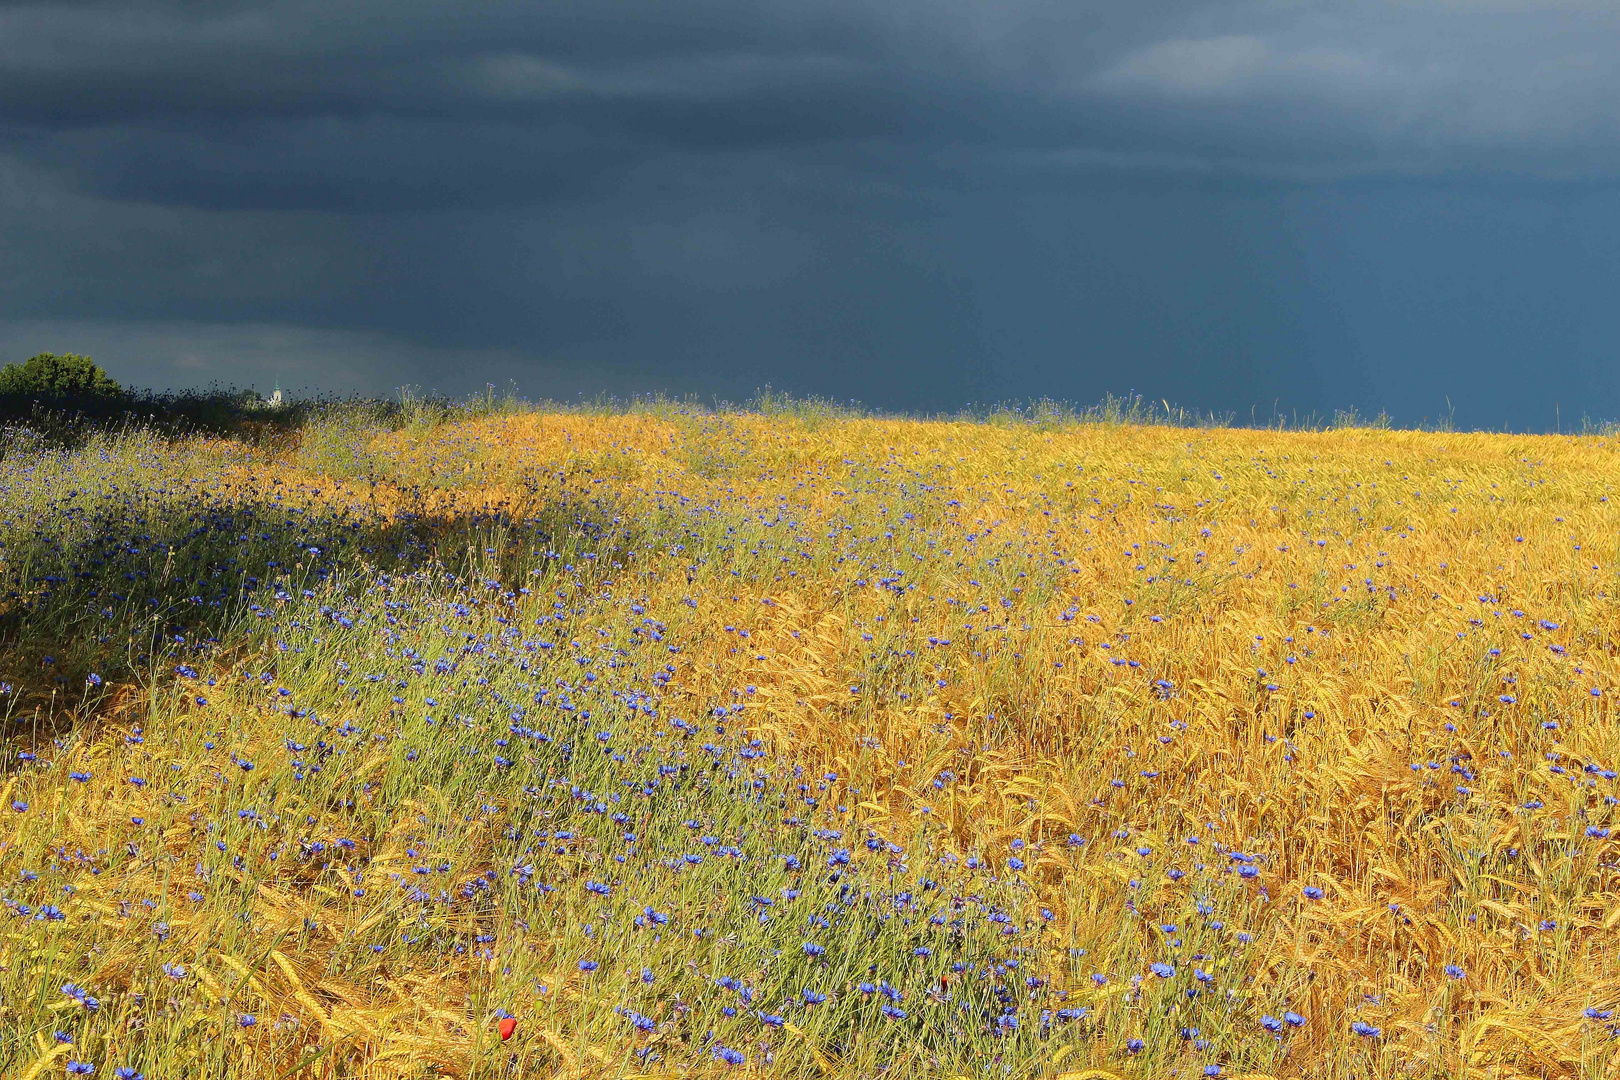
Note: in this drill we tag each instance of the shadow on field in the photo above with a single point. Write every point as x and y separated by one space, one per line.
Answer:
110 570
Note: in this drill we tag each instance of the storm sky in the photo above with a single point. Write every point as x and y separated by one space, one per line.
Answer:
1235 206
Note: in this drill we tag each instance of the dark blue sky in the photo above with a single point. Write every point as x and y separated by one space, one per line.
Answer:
915 203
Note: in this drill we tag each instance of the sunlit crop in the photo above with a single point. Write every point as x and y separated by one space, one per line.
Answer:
809 744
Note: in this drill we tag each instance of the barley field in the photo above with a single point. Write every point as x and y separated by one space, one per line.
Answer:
803 743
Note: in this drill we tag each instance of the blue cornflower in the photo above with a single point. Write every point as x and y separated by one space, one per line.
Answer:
1161 969
642 1023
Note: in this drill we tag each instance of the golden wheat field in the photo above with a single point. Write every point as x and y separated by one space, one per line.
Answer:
809 744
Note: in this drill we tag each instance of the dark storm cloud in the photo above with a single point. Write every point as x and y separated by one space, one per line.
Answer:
913 203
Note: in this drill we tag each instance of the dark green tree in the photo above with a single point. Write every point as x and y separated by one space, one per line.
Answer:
65 377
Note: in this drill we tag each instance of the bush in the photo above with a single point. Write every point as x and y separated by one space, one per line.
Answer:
63 378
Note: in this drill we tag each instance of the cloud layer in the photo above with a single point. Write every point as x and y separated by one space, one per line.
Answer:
917 204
